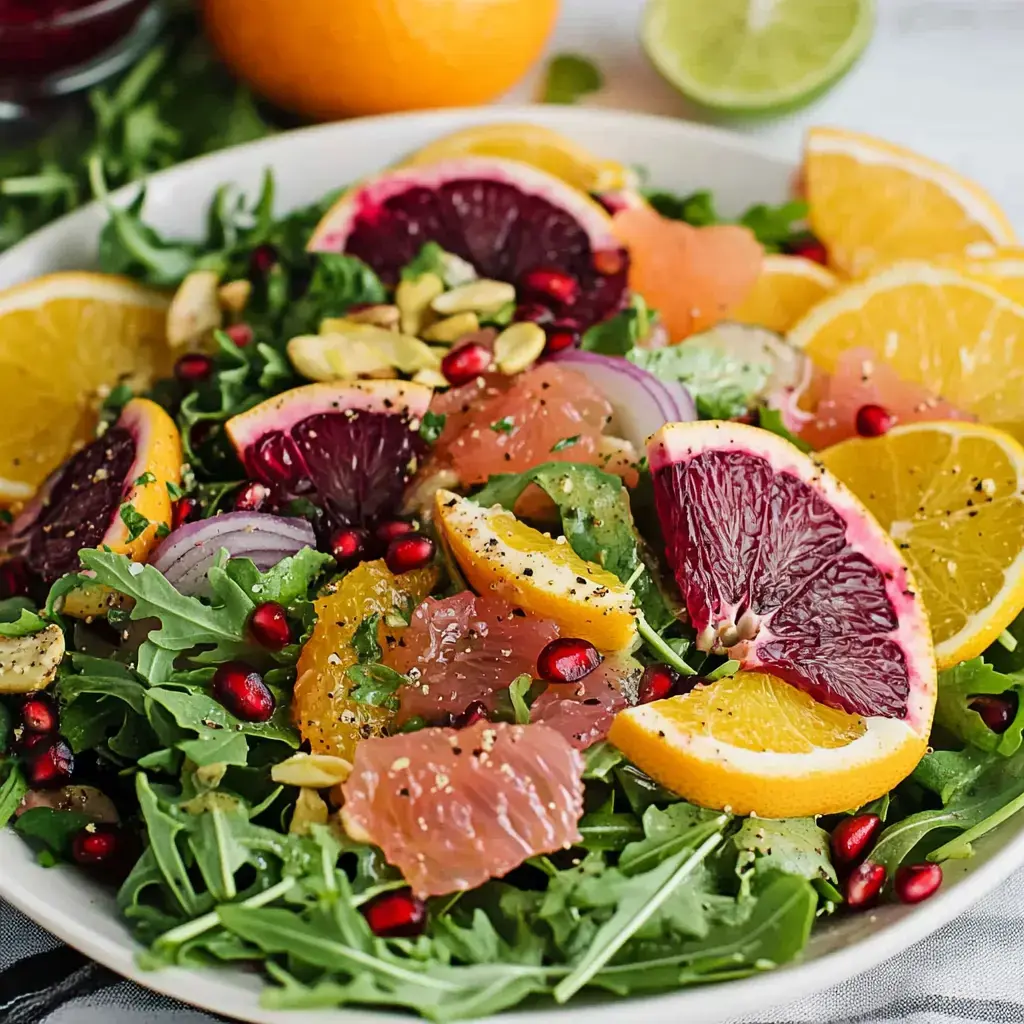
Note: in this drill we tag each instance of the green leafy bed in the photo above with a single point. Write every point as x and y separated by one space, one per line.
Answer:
659 894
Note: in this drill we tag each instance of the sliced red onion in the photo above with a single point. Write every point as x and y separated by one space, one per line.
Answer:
641 402
185 555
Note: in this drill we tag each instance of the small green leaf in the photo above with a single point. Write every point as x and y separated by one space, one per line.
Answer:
432 426
506 425
569 78
771 419
566 442
146 478
173 490
364 640
517 691
376 684
27 623
136 522
429 260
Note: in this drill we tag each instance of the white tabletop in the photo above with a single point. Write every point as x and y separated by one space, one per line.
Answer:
945 77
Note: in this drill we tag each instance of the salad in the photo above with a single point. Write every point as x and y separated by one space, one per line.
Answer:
500 581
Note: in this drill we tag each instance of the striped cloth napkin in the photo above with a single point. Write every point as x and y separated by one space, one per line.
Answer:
968 973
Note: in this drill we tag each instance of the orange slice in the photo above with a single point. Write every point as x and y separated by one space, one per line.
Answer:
65 341
873 203
498 554
787 288
753 744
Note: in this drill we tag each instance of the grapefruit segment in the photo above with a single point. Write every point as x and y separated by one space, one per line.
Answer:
783 568
504 217
537 573
694 277
498 424
353 447
452 808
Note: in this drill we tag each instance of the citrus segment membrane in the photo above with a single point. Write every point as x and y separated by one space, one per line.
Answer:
505 218
452 808
783 569
353 447
952 496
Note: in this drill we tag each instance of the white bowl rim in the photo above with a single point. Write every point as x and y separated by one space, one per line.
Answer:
205 989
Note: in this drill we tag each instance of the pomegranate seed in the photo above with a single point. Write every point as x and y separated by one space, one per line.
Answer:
387 531
348 546
811 249
185 510
396 914
50 765
916 882
863 885
253 497
408 552
96 845
561 334
262 260
466 363
31 740
567 660
533 312
193 367
552 284
853 837
609 261
14 579
475 711
873 421
240 688
269 626
240 334
39 714
660 681
996 712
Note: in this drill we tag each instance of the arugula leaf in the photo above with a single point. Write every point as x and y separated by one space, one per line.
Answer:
51 828
958 686
771 420
569 78
429 260
18 617
12 789
792 846
721 386
288 581
600 758
666 831
376 684
621 334
697 209
596 519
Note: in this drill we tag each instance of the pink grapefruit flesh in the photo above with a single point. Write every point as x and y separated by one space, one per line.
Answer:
452 808
784 570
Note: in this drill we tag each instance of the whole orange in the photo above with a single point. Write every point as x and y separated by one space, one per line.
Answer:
336 58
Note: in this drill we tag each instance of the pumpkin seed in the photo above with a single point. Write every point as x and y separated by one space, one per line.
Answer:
313 771
432 378
413 300
310 809
518 347
384 316
452 328
480 296
195 310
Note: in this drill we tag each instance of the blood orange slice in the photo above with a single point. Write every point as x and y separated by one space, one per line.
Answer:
506 218
783 569
452 808
352 447
498 424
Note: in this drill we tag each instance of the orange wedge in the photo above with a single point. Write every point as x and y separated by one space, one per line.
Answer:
787 288
498 554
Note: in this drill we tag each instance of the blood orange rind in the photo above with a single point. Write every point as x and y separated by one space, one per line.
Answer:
453 808
862 555
498 554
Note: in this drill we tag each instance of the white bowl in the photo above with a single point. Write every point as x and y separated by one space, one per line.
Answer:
306 164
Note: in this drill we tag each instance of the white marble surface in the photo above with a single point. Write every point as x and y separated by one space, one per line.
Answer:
945 77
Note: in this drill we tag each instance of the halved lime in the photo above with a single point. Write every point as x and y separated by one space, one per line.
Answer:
755 56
